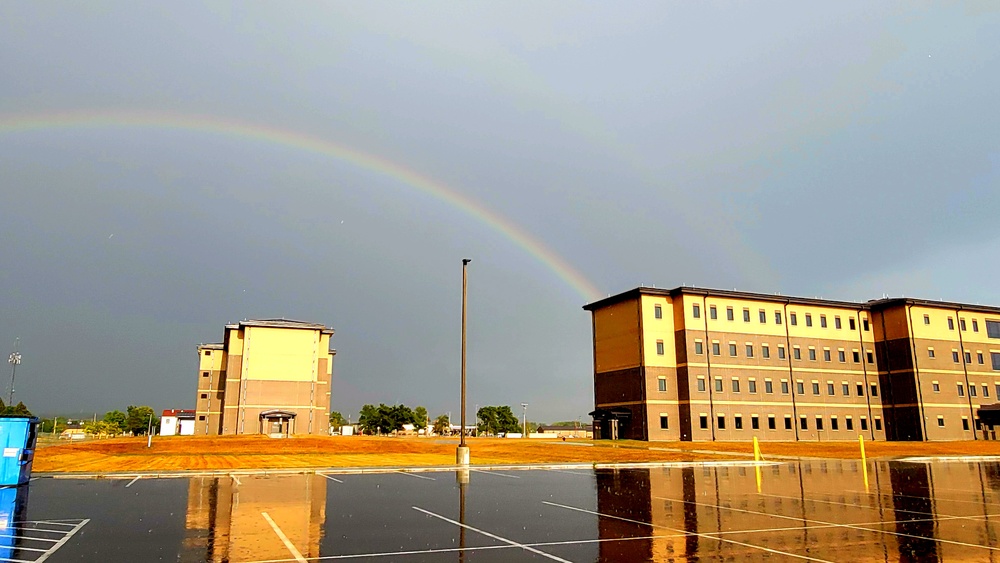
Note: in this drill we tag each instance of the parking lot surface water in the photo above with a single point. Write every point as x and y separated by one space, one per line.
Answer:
801 511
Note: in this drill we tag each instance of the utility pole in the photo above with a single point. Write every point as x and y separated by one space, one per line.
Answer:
524 418
14 360
462 453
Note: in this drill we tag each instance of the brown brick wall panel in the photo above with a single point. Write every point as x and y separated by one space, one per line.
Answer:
618 386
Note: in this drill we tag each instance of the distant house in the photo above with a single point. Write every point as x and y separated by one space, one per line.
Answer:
73 431
177 422
586 431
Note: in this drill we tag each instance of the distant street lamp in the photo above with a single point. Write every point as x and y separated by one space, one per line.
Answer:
524 418
462 453
14 360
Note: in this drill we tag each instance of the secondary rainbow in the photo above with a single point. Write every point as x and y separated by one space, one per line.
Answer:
245 130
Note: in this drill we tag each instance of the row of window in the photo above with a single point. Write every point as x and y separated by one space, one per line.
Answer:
800 389
992 327
994 357
765 352
772 422
793 318
972 389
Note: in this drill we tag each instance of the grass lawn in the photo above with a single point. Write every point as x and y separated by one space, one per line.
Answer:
192 453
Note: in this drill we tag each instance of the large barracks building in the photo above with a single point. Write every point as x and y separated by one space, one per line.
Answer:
704 364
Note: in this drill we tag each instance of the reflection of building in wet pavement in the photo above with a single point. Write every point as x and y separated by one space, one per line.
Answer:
226 522
815 509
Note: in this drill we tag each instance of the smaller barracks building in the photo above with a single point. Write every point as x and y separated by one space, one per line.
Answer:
268 376
704 364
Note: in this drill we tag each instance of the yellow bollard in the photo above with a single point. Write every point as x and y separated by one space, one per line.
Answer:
864 460
756 450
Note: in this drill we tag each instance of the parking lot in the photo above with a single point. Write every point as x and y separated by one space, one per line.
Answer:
808 510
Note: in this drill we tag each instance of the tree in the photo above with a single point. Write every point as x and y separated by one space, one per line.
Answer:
118 420
497 420
337 420
137 419
369 420
442 425
420 418
18 409
47 424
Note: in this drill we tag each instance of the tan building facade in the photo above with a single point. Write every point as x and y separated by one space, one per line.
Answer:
270 376
701 364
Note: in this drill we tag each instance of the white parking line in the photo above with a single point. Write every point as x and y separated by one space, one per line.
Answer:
493 536
706 536
137 477
61 542
495 473
591 474
331 478
408 474
236 480
281 535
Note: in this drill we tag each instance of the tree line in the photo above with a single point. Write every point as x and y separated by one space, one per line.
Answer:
385 419
135 421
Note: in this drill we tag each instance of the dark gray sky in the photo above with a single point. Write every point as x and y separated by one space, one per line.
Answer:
841 149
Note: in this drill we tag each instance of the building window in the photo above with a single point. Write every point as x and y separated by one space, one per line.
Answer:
763 316
204 395
870 357
713 313
703 421
729 313
972 390
836 323
997 389
797 353
718 384
856 356
752 386
715 349
809 319
701 383
784 386
850 323
777 317
732 349
826 355
849 423
754 422
874 390
993 329
659 347
696 311
699 348
812 354
927 319
204 374
841 356
936 386
995 358
961 390
834 425
954 356
721 422
788 422
986 390
965 423
770 422
768 386
746 315
819 422
658 312
800 388
930 352
208 353
738 422
961 324
736 385
781 351
864 324
968 357
845 389
662 383
664 423
201 417
940 421
749 350
864 423
829 388
815 386
793 319
861 390
765 351
975 325
951 323
804 422
979 357
822 321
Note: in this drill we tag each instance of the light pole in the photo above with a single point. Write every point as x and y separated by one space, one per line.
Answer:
462 453
524 418
14 360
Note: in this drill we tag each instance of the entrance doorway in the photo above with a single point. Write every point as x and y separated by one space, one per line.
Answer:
277 424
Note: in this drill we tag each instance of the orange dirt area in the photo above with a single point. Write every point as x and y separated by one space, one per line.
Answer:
205 453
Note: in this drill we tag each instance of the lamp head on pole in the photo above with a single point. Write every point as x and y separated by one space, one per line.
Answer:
465 261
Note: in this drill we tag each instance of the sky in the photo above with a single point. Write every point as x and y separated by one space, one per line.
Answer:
166 169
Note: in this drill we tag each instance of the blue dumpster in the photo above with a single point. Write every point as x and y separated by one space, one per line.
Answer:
18 435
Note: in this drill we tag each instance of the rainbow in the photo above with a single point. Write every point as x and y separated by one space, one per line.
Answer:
12 124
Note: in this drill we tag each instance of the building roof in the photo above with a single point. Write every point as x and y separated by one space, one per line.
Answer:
581 428
281 323
788 299
213 346
179 413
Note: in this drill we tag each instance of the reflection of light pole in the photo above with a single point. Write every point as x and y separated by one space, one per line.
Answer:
524 418
14 360
462 454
